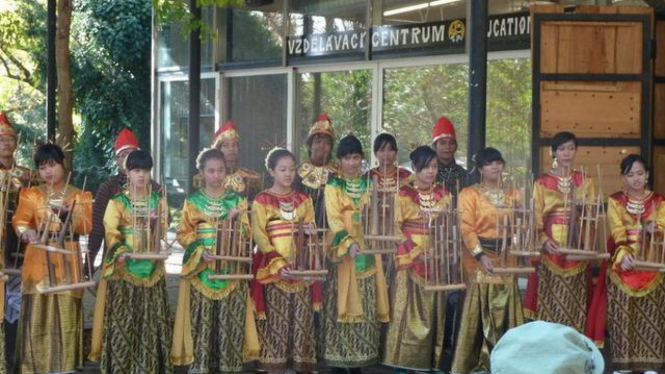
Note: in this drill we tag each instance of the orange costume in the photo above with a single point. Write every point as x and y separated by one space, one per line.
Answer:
51 325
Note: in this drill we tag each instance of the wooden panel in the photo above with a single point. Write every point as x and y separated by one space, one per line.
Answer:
659 111
660 48
658 177
589 158
591 110
591 47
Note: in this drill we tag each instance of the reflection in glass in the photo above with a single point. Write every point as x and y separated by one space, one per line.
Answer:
257 105
254 32
173 45
414 98
174 121
324 16
347 98
509 112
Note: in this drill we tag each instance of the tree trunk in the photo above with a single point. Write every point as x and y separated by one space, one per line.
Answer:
65 97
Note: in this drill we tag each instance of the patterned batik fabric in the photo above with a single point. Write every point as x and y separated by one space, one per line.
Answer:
354 344
286 335
417 325
50 334
137 331
636 328
491 308
218 331
562 299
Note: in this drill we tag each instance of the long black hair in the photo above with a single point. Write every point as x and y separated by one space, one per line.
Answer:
628 162
421 157
561 138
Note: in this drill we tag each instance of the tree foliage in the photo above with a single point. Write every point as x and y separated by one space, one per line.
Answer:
110 62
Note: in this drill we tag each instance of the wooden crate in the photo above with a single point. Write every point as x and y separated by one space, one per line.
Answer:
591 47
590 110
659 111
660 49
658 177
589 158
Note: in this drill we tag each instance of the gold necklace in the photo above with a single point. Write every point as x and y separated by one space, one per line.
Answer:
496 195
426 198
635 206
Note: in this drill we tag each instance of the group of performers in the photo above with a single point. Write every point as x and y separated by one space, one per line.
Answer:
285 277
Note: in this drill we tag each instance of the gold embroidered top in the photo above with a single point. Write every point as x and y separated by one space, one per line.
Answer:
480 211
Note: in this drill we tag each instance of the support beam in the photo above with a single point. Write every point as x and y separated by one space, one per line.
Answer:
193 128
477 50
51 77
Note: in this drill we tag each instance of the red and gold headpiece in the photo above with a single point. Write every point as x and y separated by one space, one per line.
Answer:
6 127
443 128
125 140
226 132
323 125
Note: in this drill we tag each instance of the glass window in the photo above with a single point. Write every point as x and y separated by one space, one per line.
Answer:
316 18
399 12
415 97
175 112
347 98
257 105
509 112
253 33
173 45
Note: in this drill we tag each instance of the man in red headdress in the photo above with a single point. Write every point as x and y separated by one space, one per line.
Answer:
452 175
243 181
313 175
16 177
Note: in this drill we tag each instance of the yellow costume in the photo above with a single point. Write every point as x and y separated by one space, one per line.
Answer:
558 291
635 298
51 325
212 318
285 307
132 305
356 291
492 304
415 333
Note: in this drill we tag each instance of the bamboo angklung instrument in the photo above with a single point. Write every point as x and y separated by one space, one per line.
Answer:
650 255
233 250
5 187
587 222
62 262
306 258
147 241
443 265
517 234
379 238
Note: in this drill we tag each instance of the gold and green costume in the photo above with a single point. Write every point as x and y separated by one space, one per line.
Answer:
285 308
635 315
51 325
132 304
492 304
214 330
356 295
415 334
558 292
